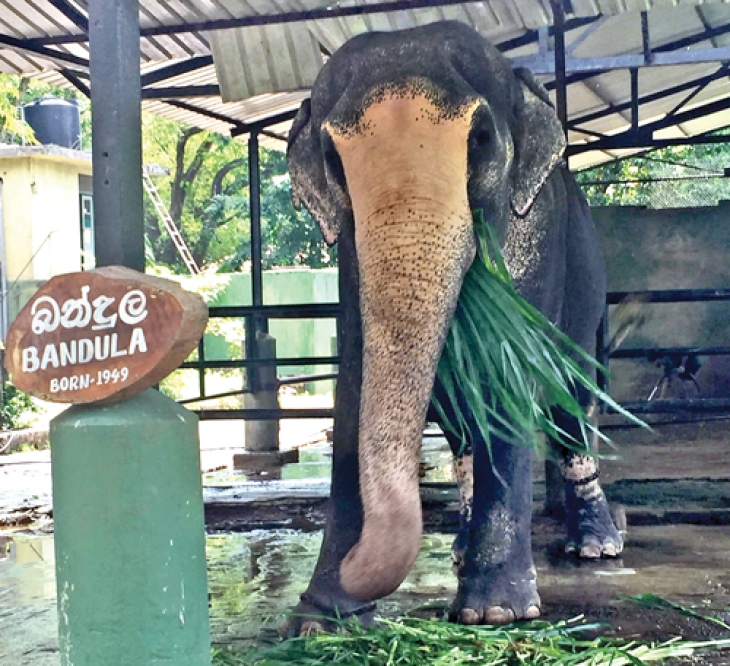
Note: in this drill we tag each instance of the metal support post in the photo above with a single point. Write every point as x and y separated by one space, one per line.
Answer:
116 132
561 91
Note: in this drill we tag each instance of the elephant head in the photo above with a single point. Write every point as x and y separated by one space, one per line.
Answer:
405 135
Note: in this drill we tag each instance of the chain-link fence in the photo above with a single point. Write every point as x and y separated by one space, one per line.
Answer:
655 180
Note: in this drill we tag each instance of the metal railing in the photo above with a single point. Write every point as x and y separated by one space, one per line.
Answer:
257 318
656 354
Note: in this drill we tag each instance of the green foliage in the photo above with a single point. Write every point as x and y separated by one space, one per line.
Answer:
17 409
207 187
415 642
511 364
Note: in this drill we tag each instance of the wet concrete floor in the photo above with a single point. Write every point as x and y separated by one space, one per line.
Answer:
674 550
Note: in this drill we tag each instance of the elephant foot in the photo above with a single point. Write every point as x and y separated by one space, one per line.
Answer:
592 533
315 614
497 597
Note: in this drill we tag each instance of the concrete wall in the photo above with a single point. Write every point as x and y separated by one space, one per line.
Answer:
670 249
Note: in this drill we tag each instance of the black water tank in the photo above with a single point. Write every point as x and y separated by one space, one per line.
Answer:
55 120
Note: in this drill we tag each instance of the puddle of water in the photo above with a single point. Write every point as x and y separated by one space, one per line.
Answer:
256 577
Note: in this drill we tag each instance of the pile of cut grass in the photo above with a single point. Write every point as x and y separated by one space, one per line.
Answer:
418 642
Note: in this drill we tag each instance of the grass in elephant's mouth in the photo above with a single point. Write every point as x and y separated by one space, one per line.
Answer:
508 365
417 642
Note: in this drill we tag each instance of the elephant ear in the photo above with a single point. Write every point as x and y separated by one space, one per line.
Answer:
539 141
317 178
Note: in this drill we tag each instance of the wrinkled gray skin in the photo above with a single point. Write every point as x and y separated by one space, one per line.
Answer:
405 135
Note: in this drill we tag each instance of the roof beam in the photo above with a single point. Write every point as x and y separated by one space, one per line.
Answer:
698 140
644 136
272 19
531 36
206 90
175 69
54 55
677 45
541 65
72 14
245 128
204 112
653 97
76 82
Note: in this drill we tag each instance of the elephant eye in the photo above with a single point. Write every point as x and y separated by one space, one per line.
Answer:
481 137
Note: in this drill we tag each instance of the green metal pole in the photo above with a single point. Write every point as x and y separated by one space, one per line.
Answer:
129 535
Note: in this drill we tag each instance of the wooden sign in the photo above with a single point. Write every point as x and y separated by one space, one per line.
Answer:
102 335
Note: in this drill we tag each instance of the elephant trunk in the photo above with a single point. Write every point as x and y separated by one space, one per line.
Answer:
406 171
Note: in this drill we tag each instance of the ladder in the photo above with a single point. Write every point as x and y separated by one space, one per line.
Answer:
172 230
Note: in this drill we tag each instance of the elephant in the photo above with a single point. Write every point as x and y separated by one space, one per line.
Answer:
405 135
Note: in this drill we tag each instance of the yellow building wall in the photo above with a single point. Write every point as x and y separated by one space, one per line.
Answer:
41 215
40 204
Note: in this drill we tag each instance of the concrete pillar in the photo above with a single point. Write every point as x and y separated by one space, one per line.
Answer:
263 435
129 535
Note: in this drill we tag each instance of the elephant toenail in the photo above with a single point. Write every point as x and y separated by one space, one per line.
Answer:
532 613
310 628
590 551
609 550
499 615
469 616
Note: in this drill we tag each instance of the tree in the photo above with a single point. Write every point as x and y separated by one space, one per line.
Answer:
208 191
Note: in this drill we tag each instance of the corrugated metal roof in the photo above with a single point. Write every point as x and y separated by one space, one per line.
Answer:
267 68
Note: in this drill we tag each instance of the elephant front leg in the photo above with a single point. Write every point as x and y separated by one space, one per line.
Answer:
325 602
497 581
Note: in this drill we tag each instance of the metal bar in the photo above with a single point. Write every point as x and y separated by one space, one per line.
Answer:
532 36
245 128
670 48
262 414
303 379
644 136
116 133
76 82
588 67
254 190
602 352
221 364
43 52
206 90
320 13
634 73
326 12
641 141
646 39
72 14
561 90
215 396
177 68
594 25
300 311
669 406
205 112
670 295
653 97
655 353
201 369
